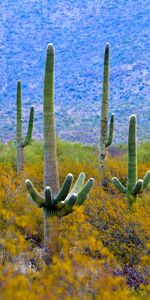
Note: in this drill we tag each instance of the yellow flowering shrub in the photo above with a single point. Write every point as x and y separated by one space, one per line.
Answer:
103 249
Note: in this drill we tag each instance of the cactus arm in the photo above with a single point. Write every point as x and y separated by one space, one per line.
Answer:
60 204
34 195
132 155
111 131
82 195
52 210
69 203
146 181
64 190
104 107
30 128
137 188
48 198
62 207
118 185
79 183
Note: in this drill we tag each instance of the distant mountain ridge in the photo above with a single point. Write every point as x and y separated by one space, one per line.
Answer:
79 31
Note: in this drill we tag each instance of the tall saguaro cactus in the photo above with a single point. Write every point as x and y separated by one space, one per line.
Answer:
51 177
54 203
22 142
134 186
105 137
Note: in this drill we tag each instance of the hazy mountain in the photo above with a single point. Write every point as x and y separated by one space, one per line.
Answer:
79 31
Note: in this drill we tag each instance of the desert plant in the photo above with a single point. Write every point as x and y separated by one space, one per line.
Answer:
105 137
22 142
51 176
60 203
134 186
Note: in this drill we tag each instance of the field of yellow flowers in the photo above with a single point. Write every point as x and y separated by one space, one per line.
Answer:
103 249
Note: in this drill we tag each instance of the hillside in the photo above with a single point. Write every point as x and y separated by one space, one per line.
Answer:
103 248
79 30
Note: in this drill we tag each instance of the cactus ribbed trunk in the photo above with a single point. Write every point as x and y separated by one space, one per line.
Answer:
50 236
104 108
50 155
20 161
132 159
51 177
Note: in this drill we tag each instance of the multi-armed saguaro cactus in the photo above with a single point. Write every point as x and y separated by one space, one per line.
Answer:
105 138
22 142
134 186
54 203
60 204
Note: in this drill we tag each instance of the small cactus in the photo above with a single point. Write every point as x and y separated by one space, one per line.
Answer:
134 186
105 137
22 142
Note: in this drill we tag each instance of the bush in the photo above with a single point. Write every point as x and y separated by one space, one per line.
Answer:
103 251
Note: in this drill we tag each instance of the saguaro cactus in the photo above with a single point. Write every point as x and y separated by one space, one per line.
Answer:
105 137
22 142
51 176
134 186
60 204
54 203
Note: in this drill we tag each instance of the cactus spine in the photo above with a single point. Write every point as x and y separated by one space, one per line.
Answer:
54 203
105 137
134 186
22 142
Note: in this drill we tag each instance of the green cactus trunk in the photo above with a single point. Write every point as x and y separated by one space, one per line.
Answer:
132 161
20 159
50 155
51 177
104 108
105 138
